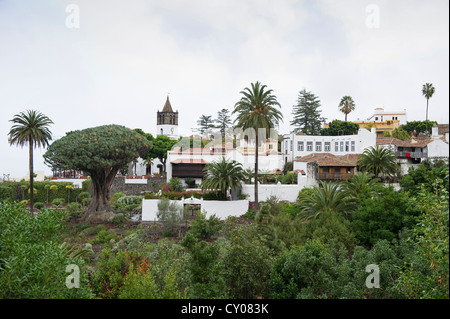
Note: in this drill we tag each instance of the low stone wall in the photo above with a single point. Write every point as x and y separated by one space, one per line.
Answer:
136 186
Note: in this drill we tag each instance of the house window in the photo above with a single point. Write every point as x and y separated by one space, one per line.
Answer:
292 143
309 146
353 146
300 146
327 146
270 147
318 146
336 146
376 118
342 146
347 146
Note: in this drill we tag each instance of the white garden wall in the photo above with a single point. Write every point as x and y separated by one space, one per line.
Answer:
222 209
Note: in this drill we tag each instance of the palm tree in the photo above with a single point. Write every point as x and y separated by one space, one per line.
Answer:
257 110
379 161
427 91
346 105
30 127
328 197
360 184
223 175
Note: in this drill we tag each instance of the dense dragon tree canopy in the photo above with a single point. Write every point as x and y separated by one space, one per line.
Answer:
97 148
100 151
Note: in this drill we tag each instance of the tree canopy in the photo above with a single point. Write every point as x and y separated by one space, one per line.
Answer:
100 151
337 127
306 113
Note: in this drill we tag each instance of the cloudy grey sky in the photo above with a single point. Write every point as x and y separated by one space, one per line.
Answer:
102 61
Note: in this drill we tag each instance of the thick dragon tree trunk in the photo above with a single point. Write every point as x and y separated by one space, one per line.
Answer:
99 210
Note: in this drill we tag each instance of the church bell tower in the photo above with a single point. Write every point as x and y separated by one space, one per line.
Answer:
167 121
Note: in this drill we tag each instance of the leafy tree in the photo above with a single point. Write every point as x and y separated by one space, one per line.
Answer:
257 109
424 176
401 134
329 197
310 271
30 127
427 91
337 127
223 121
161 144
206 268
346 105
416 127
427 276
33 256
247 261
205 123
331 229
382 216
100 151
307 114
379 161
222 176
266 229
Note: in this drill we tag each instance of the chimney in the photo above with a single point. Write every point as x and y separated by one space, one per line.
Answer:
434 132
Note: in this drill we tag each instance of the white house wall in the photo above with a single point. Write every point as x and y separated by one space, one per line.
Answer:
438 148
361 141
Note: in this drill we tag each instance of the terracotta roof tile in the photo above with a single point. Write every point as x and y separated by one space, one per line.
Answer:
189 161
328 159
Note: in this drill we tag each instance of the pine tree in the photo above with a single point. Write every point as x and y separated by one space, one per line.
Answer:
307 114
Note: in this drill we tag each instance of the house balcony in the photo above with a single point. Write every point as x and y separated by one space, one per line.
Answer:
411 154
335 176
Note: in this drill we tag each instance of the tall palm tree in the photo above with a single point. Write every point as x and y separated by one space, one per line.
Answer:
30 127
223 175
427 91
346 105
328 197
257 110
379 161
360 184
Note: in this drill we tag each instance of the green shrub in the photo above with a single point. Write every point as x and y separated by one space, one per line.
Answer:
39 205
33 258
118 220
74 209
204 228
175 184
105 236
57 202
115 197
190 182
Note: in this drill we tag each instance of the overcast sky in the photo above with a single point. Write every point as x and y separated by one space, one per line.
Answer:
85 63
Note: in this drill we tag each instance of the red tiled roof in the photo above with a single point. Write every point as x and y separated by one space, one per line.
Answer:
328 159
189 161
419 142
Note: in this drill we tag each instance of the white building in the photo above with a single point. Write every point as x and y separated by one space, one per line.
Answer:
191 162
296 145
413 151
380 115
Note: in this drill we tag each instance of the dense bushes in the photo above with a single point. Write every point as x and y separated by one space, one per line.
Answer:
33 258
44 192
277 254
